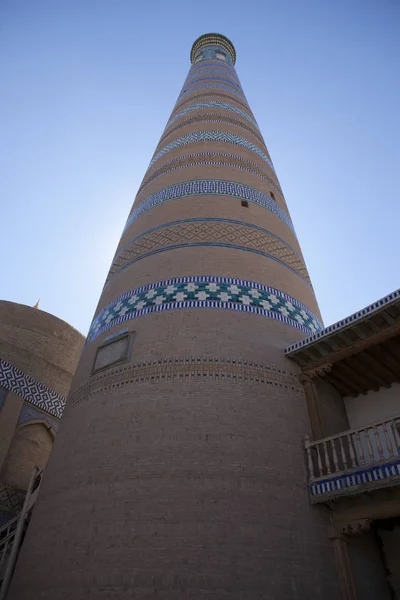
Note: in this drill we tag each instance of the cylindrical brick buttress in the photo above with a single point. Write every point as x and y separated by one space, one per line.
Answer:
178 471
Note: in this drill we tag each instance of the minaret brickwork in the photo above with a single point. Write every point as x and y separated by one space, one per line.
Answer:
178 471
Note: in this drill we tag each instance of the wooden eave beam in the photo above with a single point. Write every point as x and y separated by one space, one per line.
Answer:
357 347
372 369
385 357
348 387
353 376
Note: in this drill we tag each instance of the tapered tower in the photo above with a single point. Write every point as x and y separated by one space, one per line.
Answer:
178 471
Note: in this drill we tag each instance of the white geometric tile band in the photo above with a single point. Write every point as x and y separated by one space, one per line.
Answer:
205 292
211 136
16 381
210 187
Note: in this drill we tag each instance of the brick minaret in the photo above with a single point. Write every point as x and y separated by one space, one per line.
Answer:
178 471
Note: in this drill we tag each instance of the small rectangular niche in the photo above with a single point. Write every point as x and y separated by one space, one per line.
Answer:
245 203
114 350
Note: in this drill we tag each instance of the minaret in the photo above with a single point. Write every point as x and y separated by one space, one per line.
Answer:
178 471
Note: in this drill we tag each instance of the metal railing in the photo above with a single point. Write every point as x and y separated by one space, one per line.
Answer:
11 534
354 449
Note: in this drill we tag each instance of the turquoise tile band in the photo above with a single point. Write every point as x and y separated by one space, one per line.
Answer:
205 292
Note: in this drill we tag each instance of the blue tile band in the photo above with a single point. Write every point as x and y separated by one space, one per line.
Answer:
211 158
349 483
3 394
209 232
212 62
210 70
211 78
212 136
213 120
205 292
210 187
211 104
16 381
209 86
29 413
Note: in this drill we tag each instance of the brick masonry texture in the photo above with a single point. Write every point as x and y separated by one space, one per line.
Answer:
189 368
180 473
38 357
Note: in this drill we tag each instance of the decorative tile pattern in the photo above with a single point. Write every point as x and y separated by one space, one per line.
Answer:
210 187
205 292
212 118
212 104
209 232
220 159
218 86
209 63
16 381
29 413
191 369
3 394
11 497
213 70
210 96
212 136
212 78
386 300
349 484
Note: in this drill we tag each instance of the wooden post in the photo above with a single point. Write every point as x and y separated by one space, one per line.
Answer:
312 406
346 581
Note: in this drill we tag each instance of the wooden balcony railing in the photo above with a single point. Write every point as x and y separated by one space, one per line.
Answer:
353 450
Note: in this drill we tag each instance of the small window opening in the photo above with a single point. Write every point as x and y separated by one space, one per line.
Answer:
220 55
115 349
245 203
272 195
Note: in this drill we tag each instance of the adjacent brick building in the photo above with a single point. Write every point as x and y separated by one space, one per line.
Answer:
38 357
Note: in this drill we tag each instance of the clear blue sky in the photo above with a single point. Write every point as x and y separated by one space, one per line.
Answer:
87 86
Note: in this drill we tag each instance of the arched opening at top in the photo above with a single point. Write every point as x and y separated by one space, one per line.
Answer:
30 447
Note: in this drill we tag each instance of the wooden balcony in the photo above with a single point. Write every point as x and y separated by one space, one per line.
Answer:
354 461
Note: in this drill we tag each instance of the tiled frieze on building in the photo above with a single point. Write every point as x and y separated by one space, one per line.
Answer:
210 96
212 104
31 390
212 118
215 232
205 292
29 413
208 187
3 393
217 159
212 78
207 86
356 482
212 136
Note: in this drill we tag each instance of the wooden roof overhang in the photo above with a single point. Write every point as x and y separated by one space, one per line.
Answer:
359 353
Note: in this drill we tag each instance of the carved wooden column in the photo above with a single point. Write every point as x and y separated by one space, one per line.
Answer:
346 582
316 428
